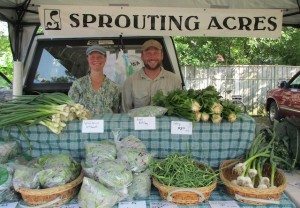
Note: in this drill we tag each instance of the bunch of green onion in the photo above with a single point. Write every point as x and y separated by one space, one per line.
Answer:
250 172
52 110
182 171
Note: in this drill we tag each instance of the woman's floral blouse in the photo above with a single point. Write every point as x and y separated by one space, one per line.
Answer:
105 100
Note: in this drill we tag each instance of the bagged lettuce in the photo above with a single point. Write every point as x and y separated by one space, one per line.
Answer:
25 177
55 160
141 186
96 152
8 150
136 160
58 176
113 174
93 195
7 193
132 142
147 111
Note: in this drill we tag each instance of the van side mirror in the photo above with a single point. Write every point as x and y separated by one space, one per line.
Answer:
283 84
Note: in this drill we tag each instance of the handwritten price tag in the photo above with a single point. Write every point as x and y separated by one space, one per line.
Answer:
133 204
70 206
144 123
92 126
9 205
181 127
223 204
163 204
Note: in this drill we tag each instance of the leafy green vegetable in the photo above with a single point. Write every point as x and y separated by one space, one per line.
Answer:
179 103
3 175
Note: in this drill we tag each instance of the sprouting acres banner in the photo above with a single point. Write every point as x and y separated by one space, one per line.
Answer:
87 21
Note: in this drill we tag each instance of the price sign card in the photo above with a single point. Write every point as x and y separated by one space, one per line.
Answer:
70 206
133 204
144 123
92 126
163 204
181 127
9 205
223 204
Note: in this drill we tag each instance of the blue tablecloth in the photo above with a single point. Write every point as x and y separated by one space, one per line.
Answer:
210 143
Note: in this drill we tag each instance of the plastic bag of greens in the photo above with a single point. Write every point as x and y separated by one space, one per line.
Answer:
55 160
113 174
141 186
8 150
96 152
7 192
147 111
25 177
88 171
94 194
136 160
58 176
132 142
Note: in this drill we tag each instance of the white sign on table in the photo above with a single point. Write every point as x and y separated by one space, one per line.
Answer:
92 126
223 204
133 204
70 206
9 205
162 204
182 127
144 123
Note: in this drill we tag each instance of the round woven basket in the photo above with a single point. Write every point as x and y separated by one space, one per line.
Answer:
56 196
184 196
253 196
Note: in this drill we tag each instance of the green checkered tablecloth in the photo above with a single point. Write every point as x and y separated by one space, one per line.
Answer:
210 143
220 194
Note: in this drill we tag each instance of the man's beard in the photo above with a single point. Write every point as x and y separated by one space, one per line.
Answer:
158 65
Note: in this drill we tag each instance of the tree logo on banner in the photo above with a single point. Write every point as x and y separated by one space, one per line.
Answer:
52 19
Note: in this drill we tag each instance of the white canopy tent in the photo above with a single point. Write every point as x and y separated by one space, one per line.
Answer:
23 20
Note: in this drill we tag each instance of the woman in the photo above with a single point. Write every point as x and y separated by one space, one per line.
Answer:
96 92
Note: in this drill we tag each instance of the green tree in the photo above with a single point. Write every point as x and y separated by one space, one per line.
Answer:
203 51
6 60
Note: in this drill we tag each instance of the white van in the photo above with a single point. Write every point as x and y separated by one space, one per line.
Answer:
53 64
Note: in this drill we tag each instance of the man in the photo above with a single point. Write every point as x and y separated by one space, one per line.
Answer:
139 89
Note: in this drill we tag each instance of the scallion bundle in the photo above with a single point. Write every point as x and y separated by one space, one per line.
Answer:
52 110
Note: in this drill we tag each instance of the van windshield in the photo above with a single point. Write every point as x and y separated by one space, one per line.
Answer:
57 63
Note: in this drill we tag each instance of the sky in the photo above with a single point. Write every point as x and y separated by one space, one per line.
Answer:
3 28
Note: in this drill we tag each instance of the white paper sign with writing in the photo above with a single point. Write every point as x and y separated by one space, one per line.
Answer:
133 204
92 126
70 206
223 204
144 123
181 127
163 204
9 205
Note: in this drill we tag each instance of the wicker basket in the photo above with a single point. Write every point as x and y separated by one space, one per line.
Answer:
56 196
185 196
252 195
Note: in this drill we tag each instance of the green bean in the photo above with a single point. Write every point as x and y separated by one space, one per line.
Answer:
181 171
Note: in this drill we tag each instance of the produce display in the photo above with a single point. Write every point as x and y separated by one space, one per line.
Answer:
182 171
198 105
121 173
261 153
46 172
52 110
